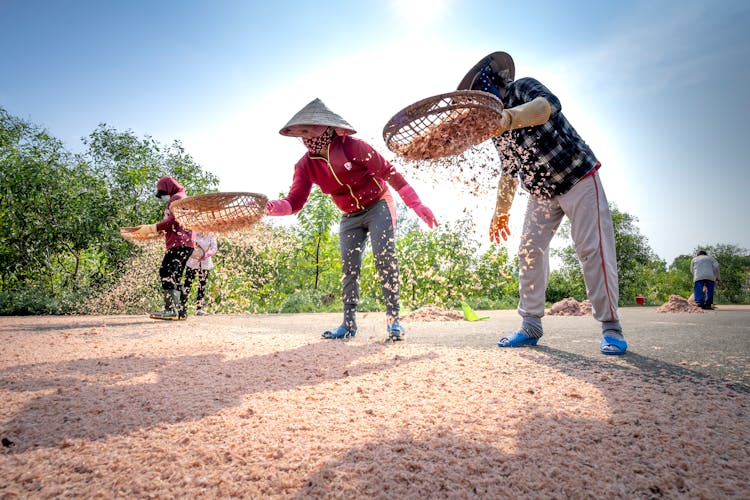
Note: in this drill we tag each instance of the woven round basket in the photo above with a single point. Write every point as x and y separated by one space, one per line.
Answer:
219 212
128 234
443 125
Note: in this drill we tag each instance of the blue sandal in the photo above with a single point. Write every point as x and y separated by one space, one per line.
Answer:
612 345
339 333
518 339
396 332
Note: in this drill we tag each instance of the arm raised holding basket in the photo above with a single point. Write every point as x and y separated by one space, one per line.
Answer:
540 149
529 114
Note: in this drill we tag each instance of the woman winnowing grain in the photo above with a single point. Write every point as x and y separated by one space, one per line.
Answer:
356 177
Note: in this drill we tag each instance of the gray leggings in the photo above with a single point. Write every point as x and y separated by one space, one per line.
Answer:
353 231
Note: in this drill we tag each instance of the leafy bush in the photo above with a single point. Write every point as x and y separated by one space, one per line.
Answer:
62 253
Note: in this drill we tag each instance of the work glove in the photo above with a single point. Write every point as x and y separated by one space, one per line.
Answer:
412 201
278 208
506 191
146 230
499 228
530 114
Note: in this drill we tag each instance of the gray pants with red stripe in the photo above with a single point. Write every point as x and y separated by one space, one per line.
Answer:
593 236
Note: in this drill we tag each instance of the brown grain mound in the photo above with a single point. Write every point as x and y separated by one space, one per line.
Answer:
433 313
570 307
677 304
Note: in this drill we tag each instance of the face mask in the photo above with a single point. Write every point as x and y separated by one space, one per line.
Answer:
489 81
317 144
165 197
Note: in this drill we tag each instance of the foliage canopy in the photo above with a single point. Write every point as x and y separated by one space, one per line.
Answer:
60 249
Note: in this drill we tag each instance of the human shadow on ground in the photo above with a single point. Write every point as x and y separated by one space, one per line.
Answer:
651 439
547 464
645 366
73 324
96 398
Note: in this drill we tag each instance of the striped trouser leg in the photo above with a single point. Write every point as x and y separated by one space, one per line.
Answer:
593 236
543 217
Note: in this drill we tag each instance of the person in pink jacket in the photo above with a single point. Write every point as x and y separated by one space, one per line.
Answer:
199 266
179 242
357 179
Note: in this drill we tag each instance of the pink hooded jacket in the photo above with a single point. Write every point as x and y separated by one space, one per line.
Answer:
177 236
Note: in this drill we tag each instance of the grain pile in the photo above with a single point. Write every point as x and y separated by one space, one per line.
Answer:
677 304
454 134
586 307
570 307
432 313
258 406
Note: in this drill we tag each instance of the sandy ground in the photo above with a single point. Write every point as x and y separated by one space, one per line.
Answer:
259 406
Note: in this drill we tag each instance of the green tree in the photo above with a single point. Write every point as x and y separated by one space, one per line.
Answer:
446 265
54 209
498 279
636 262
677 280
319 244
131 166
60 212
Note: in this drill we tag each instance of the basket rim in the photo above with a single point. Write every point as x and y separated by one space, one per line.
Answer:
187 201
455 93
397 123
126 232
221 193
220 211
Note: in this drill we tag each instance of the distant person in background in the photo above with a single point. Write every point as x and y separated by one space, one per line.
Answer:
357 178
705 271
199 265
179 243
538 146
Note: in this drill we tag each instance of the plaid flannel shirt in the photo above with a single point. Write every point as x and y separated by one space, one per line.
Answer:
549 159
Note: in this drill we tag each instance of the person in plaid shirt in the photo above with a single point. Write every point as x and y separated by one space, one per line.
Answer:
541 149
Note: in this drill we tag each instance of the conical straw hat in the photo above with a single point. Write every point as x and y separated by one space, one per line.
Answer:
317 113
498 61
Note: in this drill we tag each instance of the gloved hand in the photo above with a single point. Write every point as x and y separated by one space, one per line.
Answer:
146 230
412 201
278 208
529 114
426 215
506 191
499 228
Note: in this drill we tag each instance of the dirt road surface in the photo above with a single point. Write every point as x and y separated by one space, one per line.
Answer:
260 406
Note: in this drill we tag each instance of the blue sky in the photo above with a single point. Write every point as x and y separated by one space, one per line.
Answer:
657 88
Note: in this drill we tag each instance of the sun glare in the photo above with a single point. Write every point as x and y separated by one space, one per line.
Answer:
420 13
